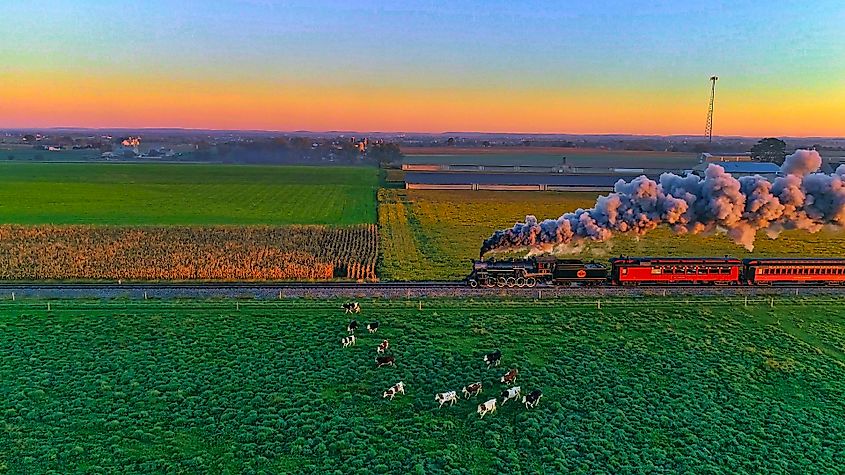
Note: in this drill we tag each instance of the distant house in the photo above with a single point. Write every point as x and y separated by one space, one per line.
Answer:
738 169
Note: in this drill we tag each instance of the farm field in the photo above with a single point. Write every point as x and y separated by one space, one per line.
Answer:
262 253
432 234
167 194
186 386
29 153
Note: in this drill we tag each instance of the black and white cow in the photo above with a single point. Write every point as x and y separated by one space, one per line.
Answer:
532 399
509 394
348 341
492 359
396 388
485 407
473 389
351 307
450 396
510 376
372 327
353 325
384 345
385 361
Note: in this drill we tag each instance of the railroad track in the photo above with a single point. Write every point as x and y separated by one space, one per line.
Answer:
276 290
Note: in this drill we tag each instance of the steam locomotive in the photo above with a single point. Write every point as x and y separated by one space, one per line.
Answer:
548 270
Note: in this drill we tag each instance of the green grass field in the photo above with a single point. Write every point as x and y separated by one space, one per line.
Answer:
430 234
655 386
160 194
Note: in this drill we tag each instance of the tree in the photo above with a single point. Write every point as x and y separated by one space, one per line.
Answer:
385 152
769 150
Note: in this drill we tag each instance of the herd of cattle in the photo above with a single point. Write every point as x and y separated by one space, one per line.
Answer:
451 397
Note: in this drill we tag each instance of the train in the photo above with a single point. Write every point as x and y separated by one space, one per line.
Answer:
547 270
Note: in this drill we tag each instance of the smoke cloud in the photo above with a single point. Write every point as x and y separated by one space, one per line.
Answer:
740 207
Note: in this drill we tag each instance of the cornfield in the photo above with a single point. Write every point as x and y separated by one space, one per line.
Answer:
188 253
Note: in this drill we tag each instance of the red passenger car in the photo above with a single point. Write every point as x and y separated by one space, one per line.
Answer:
675 270
794 271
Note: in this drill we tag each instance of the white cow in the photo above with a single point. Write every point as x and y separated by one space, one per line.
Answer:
396 388
348 341
451 397
489 406
512 393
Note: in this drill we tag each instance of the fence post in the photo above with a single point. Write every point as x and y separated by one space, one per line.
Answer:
237 306
772 302
746 300
145 295
280 295
598 304
420 303
48 306
13 296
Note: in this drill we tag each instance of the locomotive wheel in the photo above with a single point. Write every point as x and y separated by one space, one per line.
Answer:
520 282
501 282
530 282
511 282
473 283
489 283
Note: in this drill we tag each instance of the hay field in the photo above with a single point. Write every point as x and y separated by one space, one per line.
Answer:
432 234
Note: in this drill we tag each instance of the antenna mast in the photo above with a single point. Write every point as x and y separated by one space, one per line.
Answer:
708 131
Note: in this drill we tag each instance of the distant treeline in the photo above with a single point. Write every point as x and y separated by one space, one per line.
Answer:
297 150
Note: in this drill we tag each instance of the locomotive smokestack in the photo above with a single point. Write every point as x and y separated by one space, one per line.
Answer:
801 199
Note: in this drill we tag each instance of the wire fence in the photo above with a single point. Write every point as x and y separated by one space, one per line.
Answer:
16 305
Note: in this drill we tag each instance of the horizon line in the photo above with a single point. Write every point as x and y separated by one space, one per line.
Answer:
590 134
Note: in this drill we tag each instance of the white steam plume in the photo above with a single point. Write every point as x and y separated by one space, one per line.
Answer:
800 199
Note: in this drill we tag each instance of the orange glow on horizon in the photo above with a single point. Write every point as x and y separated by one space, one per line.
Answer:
59 99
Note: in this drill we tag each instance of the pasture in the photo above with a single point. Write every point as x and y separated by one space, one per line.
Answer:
202 386
168 194
432 234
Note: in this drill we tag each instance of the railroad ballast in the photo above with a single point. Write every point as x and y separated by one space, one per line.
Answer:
550 270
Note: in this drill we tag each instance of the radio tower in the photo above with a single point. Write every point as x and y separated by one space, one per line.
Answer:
708 131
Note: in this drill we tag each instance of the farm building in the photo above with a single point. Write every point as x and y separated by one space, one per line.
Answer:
511 181
767 170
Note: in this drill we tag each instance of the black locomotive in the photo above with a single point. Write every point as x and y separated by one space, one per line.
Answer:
532 271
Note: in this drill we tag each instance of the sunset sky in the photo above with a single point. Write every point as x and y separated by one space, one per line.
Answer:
496 66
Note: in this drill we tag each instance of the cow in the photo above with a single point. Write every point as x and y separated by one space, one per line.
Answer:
351 307
384 361
510 376
353 325
396 388
348 341
473 389
382 346
532 399
512 393
372 327
489 406
451 397
492 359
